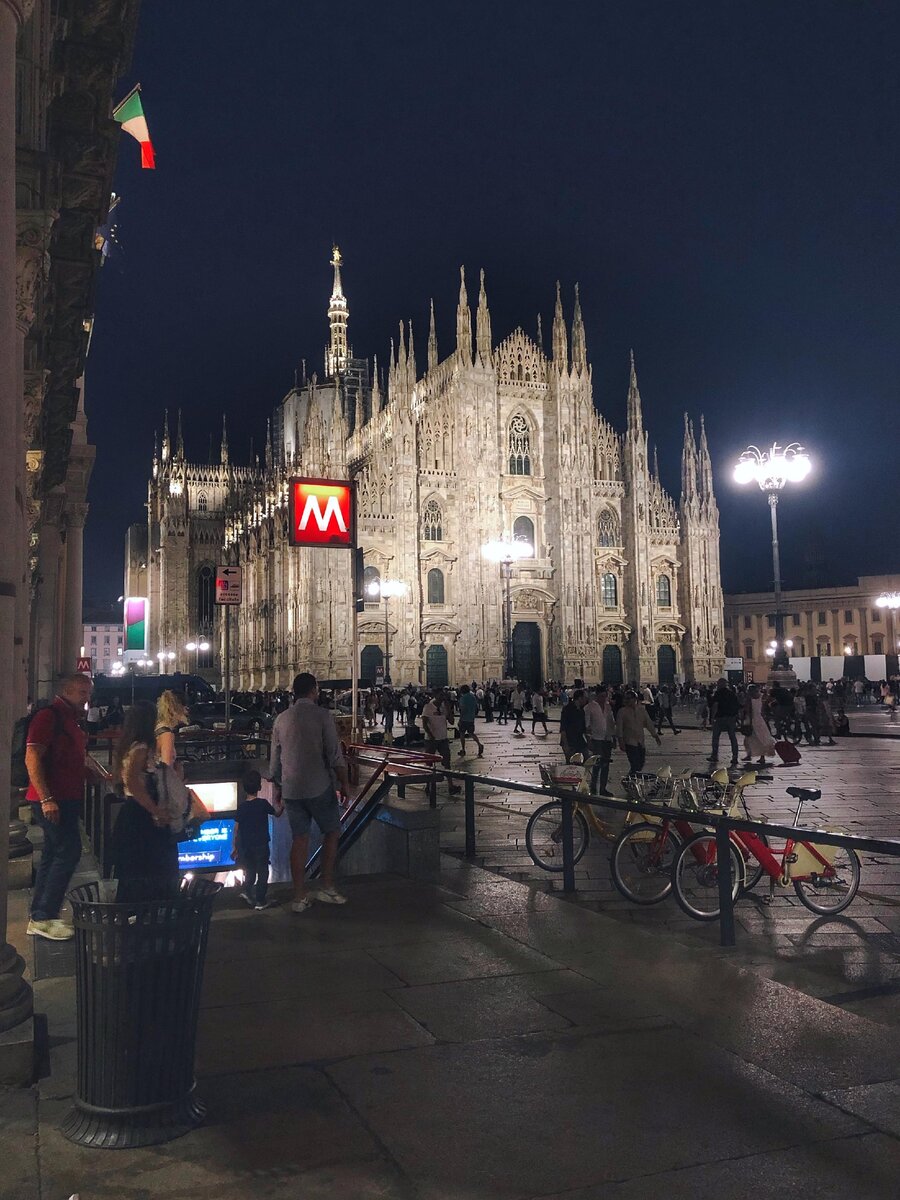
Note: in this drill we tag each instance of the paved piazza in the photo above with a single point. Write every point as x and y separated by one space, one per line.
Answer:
852 960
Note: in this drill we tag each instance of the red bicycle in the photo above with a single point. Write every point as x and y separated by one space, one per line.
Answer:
825 878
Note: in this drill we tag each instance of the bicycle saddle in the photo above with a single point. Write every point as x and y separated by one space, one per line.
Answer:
804 793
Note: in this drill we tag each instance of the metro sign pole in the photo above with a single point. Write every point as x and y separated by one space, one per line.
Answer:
323 516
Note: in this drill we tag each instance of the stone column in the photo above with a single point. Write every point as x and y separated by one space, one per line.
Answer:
73 627
15 995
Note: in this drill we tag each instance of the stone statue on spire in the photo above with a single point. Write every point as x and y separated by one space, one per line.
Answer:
337 354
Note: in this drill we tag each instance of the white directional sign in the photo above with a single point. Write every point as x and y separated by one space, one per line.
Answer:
229 585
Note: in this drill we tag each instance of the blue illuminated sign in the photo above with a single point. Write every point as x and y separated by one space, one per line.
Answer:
210 849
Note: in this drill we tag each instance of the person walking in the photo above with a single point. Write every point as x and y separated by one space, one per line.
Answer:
503 706
724 708
517 703
434 722
632 725
57 764
601 733
572 725
664 709
468 708
538 711
307 765
170 717
759 741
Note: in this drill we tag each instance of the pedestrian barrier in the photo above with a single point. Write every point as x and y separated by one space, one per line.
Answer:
723 826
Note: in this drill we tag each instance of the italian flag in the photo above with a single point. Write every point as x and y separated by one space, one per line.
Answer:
130 115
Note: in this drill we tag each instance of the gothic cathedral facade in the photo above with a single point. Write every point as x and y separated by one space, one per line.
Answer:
503 441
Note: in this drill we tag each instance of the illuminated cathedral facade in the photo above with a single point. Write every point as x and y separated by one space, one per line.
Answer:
497 440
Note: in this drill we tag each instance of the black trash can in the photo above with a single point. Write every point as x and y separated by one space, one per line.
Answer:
138 973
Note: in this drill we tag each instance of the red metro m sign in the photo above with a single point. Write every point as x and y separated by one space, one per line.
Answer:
323 513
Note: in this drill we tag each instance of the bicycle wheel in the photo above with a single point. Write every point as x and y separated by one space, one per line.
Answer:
543 836
641 862
832 893
753 868
695 876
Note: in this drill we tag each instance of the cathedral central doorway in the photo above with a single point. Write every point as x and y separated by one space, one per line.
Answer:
527 652
665 664
436 670
612 665
371 657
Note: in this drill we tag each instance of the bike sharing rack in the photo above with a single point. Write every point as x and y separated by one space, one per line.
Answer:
721 824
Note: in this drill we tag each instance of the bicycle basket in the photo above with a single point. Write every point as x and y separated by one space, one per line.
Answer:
807 864
561 775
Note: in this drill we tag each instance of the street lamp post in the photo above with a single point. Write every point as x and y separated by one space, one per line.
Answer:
772 469
890 601
506 551
165 657
386 589
197 647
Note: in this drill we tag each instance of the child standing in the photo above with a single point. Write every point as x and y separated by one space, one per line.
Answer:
253 831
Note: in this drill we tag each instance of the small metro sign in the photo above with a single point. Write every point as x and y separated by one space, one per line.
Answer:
84 666
229 584
323 513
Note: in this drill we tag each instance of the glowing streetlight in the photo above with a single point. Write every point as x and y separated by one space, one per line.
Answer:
772 469
387 589
506 551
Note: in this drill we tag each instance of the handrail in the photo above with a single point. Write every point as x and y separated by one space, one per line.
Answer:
723 825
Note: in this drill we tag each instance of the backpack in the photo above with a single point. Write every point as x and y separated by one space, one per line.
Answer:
18 772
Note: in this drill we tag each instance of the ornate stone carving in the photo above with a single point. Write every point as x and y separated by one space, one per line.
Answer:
33 227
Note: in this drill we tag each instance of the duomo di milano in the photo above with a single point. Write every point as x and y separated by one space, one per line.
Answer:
494 440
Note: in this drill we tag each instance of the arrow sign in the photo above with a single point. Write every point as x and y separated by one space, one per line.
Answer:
229 585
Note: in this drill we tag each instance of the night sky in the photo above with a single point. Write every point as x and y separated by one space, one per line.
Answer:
721 178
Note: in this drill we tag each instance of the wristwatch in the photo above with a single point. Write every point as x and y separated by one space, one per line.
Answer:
47 800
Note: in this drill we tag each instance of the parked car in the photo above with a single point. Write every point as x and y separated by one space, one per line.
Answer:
243 720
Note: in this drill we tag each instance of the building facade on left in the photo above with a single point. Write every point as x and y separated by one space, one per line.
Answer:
61 67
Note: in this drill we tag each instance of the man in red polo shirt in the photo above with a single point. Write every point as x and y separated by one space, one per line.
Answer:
56 758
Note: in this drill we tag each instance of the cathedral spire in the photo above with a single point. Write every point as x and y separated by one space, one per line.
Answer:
704 464
179 439
635 415
269 454
540 334
579 349
166 447
688 464
411 359
483 325
463 322
338 315
376 387
432 342
223 454
655 463
560 345
401 352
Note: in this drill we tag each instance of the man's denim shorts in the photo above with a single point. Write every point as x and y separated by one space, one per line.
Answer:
324 810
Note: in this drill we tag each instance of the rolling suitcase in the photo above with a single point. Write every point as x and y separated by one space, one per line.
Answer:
788 753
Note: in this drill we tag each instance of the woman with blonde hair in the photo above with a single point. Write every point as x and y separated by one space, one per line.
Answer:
170 714
144 850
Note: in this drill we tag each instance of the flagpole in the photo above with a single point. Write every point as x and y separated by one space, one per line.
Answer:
125 99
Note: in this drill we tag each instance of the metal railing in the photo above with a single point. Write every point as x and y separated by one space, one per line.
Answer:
723 826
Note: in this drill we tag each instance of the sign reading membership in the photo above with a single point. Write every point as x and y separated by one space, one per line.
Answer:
323 513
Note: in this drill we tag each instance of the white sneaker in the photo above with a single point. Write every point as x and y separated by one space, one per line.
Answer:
54 931
299 906
330 896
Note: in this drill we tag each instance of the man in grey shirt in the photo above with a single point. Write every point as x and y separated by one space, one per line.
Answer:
306 762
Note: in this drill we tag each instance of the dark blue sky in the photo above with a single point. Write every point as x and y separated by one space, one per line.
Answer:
721 178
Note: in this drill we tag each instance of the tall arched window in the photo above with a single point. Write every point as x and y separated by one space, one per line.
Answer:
664 592
519 446
435 586
201 502
609 590
433 522
523 531
371 578
608 528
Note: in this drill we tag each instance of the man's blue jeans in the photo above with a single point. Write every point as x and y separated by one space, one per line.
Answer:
60 857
